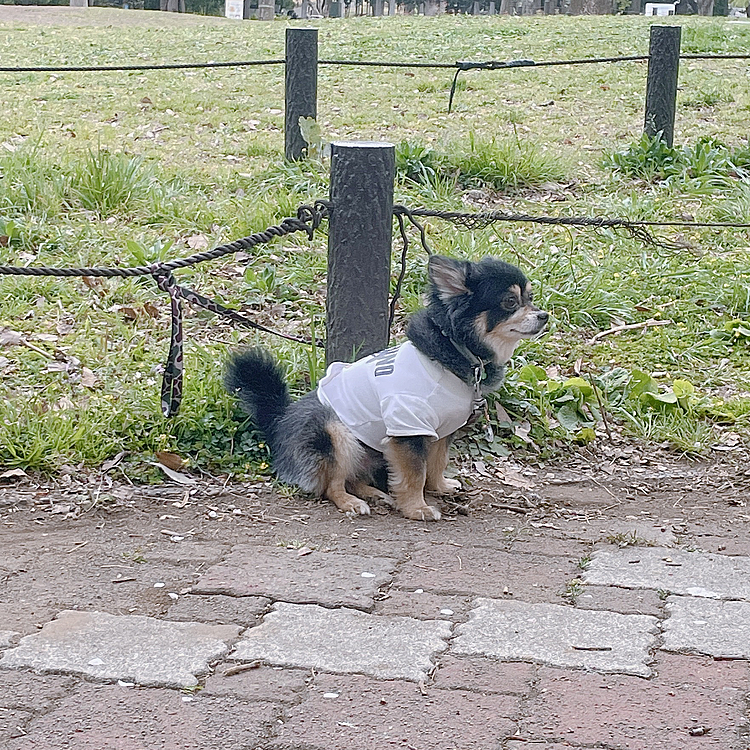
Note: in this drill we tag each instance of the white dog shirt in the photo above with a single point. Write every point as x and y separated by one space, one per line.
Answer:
396 393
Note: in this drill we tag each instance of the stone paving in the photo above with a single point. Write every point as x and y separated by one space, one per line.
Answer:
558 635
111 647
381 633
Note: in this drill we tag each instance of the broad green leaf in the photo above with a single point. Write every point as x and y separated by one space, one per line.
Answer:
683 389
569 417
586 435
641 382
662 401
582 385
532 374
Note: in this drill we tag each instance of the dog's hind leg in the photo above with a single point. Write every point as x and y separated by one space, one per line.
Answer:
437 460
341 468
407 470
372 494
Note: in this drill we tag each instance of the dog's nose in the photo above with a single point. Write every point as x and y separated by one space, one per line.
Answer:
542 317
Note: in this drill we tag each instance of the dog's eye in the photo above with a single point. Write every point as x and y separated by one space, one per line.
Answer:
509 302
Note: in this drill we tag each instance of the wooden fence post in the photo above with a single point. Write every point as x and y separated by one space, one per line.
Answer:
360 228
301 87
661 87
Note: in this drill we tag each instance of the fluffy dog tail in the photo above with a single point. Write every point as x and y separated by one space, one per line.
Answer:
258 381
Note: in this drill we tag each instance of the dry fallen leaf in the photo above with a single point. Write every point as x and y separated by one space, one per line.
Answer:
127 312
502 416
522 431
481 468
88 379
92 282
513 478
172 460
151 309
110 463
175 476
63 404
58 367
197 242
13 475
10 338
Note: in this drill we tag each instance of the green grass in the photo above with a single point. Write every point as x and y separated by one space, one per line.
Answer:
130 168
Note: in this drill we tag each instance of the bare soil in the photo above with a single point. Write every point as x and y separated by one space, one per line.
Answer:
98 544
36 15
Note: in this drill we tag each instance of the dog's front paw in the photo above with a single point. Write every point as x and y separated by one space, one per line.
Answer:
422 513
358 508
446 487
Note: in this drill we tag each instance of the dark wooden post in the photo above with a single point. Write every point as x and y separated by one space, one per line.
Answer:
301 90
661 88
360 227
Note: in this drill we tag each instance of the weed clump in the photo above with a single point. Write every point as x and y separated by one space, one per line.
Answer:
709 161
107 182
506 164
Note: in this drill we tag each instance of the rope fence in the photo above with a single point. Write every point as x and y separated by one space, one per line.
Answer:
301 63
459 64
308 219
357 204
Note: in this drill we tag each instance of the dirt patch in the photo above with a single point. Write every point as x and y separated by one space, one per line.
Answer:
129 550
35 15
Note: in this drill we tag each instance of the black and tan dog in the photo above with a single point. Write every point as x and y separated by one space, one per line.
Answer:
399 408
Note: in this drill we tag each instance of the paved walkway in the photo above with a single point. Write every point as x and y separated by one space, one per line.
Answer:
583 625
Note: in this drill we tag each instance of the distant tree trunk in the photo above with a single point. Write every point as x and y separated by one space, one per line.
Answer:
172 6
706 7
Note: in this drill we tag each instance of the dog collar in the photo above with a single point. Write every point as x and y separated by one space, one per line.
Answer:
479 403
466 352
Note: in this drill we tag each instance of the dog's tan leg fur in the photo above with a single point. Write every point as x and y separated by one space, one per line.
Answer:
407 474
347 454
437 460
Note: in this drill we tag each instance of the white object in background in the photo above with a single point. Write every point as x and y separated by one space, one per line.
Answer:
234 9
655 9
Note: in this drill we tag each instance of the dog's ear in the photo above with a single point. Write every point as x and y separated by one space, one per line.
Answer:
448 276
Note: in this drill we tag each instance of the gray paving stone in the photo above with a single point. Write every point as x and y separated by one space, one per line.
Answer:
282 574
130 648
692 573
557 635
717 628
345 640
7 637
